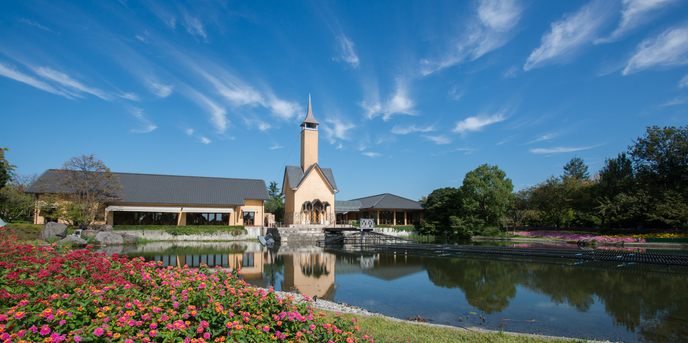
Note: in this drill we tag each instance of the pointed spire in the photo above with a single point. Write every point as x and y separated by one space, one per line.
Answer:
310 121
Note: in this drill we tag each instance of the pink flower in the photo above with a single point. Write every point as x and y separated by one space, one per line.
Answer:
206 335
152 333
98 331
199 329
129 341
45 330
153 325
62 322
77 339
267 328
204 324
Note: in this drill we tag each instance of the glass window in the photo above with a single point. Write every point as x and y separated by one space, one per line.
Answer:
247 260
248 218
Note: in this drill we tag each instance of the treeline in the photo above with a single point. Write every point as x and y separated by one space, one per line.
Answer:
643 187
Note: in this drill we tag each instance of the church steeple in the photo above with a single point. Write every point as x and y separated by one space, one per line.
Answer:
310 121
309 139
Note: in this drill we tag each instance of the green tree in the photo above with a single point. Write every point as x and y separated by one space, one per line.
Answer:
440 205
553 198
576 169
661 158
486 194
14 203
275 204
6 169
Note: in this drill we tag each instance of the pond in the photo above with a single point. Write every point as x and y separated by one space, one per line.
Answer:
558 297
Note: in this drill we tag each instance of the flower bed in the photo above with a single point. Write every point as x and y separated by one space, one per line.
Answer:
577 236
53 295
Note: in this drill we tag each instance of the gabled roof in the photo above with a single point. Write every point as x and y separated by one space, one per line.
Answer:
341 206
390 202
296 176
172 189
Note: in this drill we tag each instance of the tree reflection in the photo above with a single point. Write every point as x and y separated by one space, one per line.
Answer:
488 286
652 303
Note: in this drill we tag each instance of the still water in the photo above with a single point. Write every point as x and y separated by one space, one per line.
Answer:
592 300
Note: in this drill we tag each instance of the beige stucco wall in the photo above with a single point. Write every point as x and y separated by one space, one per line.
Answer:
309 148
288 204
315 186
258 216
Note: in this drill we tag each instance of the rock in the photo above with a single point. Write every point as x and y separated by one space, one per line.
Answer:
88 233
72 240
129 239
102 228
108 238
53 229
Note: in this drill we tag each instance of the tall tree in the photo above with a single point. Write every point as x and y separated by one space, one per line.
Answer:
487 193
85 183
14 203
6 168
275 204
553 198
440 206
576 169
661 158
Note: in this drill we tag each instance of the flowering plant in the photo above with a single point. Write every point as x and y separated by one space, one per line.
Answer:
53 295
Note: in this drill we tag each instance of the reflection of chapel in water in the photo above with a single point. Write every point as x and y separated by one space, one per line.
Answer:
310 274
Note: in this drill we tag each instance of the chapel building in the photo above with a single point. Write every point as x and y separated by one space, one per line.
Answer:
309 189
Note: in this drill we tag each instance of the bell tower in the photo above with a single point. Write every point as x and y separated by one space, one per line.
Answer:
309 139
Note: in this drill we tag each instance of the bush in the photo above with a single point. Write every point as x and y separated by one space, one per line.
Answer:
186 230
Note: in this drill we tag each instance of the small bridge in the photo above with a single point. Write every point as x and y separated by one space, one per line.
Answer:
377 242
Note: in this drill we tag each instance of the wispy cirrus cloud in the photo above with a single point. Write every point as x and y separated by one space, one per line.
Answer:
635 13
35 24
399 103
158 88
218 114
683 82
70 85
489 29
346 51
569 34
13 73
147 125
276 146
399 130
335 129
680 100
546 137
670 48
478 122
371 154
439 140
559 150
194 26
205 140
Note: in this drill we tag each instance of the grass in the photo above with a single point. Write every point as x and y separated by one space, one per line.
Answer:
383 330
25 232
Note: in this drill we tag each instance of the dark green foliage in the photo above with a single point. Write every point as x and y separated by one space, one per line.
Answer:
486 194
5 169
576 169
441 204
275 204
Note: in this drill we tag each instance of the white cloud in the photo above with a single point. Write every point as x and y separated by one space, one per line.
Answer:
456 93
683 82
668 49
147 125
282 108
35 24
634 14
218 114
205 140
569 34
336 128
676 101
189 132
558 150
65 80
129 96
511 73
546 137
439 140
195 27
411 129
276 146
340 146
158 88
489 30
347 51
141 38
372 154
399 103
478 122
29 80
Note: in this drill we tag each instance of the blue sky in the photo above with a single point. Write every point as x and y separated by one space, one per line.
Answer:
410 95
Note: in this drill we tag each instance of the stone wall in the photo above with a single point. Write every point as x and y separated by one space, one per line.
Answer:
160 235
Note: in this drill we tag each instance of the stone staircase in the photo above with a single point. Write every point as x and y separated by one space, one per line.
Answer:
310 233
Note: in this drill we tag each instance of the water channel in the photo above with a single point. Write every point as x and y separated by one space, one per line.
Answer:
558 297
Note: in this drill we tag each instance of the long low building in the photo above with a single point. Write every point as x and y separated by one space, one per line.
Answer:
150 199
385 209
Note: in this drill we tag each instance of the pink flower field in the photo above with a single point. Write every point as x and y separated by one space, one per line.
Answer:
575 236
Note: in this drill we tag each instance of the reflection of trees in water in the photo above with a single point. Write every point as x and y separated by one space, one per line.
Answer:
488 286
655 306
314 265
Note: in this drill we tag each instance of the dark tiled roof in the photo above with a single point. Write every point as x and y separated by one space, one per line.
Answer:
173 189
296 175
346 206
389 202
